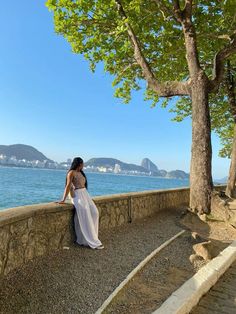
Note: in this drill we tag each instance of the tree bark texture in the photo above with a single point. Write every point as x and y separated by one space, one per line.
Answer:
230 190
230 84
200 175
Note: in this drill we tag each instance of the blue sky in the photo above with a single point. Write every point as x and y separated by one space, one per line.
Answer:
49 99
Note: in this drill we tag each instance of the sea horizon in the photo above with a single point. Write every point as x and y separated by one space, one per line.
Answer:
26 186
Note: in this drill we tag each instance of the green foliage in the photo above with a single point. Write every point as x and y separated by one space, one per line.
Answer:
182 109
95 29
226 139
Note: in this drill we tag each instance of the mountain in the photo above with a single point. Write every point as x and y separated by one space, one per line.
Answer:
21 151
112 165
149 165
152 168
177 174
111 162
223 180
163 173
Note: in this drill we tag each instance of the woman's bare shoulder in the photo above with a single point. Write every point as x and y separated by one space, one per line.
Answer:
71 173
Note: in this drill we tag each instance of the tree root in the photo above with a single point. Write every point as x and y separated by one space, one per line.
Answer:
223 208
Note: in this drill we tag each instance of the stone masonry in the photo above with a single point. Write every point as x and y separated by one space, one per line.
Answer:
30 231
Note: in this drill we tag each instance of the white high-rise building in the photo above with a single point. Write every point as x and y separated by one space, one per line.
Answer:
117 168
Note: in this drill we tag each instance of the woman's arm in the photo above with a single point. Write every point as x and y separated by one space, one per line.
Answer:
67 187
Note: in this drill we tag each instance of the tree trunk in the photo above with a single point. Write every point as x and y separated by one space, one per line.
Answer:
230 85
200 175
230 190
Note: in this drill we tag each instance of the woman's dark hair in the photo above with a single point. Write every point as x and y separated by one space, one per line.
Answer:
77 161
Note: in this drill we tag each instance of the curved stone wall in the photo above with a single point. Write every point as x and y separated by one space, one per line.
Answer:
30 231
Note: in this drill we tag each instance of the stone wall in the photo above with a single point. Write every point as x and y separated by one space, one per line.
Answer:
30 231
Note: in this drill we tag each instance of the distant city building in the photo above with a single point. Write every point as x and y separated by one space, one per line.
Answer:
13 161
106 168
102 169
117 168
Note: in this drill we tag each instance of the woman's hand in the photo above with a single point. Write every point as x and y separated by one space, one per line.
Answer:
61 202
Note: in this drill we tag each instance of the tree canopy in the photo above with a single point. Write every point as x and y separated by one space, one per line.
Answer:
178 47
116 33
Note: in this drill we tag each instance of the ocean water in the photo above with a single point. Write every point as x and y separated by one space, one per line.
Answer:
24 186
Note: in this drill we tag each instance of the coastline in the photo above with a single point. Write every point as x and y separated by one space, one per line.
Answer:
96 172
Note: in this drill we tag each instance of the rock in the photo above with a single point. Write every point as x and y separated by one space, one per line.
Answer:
196 236
202 250
222 203
194 258
203 217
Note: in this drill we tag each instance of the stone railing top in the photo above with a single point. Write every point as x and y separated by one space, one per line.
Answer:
111 197
10 215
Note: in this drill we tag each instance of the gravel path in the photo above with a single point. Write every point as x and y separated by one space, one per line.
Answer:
79 280
165 273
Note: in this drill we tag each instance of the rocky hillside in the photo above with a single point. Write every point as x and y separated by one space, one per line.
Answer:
147 166
21 151
110 162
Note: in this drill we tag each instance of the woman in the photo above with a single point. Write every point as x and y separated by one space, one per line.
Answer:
86 217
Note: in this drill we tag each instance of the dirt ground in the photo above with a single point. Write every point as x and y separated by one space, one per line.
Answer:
174 265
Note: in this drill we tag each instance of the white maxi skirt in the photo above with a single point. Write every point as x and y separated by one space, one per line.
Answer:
86 219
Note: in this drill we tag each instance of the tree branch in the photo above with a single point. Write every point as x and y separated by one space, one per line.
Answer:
230 85
190 38
184 17
188 9
218 66
177 11
163 8
169 89
166 89
137 49
214 36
